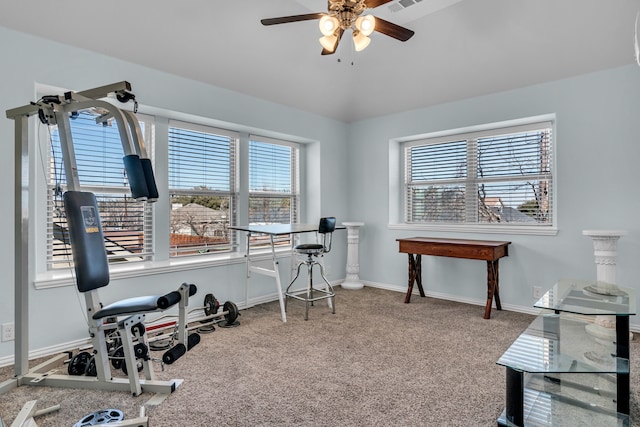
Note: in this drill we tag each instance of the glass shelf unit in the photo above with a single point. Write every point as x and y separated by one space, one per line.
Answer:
557 373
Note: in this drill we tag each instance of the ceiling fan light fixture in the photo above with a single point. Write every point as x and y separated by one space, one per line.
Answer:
365 24
328 25
360 41
329 42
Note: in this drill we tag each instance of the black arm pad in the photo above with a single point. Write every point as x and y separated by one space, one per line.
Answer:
192 289
168 300
147 170
136 177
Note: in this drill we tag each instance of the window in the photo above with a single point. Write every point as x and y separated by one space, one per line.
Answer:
98 154
273 178
273 182
496 176
202 188
199 167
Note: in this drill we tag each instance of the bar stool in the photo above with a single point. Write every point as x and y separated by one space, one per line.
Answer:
314 251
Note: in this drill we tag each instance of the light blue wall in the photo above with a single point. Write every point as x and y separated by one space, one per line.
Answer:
57 313
597 154
596 182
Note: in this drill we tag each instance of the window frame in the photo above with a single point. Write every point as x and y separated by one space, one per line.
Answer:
283 242
104 191
232 193
157 149
397 178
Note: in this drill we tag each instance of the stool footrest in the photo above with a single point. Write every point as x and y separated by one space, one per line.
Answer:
301 297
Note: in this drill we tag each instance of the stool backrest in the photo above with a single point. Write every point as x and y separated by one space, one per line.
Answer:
326 227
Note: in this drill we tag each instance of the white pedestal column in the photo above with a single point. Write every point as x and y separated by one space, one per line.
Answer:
605 245
353 267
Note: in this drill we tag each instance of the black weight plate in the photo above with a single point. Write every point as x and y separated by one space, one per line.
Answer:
91 370
211 305
117 359
124 367
141 351
78 363
232 310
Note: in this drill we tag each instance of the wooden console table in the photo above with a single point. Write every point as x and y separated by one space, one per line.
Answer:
487 250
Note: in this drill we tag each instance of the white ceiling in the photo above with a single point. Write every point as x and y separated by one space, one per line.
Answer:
461 49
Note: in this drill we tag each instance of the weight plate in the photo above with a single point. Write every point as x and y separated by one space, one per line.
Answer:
160 344
100 417
91 370
117 359
124 367
211 305
232 310
141 351
78 363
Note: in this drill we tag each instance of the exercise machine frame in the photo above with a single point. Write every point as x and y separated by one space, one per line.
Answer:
56 109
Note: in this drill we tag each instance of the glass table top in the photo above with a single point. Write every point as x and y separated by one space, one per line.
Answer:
556 344
589 298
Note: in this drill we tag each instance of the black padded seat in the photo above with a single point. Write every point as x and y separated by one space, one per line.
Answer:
309 248
142 304
127 306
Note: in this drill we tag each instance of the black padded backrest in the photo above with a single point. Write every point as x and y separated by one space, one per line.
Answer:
327 225
87 241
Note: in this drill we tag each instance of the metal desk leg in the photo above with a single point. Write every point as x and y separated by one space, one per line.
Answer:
276 272
248 275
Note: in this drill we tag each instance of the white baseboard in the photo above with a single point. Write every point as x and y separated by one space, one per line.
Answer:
86 342
510 307
456 298
48 351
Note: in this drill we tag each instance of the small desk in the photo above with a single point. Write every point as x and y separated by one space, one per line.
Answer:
272 230
488 250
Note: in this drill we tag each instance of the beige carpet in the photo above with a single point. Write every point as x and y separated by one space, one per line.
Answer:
376 362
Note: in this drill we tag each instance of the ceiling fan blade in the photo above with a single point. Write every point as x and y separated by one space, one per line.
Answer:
335 47
375 3
392 30
293 18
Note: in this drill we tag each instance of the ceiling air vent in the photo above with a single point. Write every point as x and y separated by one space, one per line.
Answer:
402 4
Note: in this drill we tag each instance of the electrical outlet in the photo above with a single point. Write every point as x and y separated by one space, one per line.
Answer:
8 331
537 292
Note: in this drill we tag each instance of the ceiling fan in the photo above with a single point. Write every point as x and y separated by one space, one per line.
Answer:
347 15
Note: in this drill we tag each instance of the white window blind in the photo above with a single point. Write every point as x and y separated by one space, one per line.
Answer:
273 181
494 176
202 187
273 184
126 223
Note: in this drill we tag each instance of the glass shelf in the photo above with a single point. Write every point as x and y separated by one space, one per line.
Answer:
587 298
555 344
561 373
544 409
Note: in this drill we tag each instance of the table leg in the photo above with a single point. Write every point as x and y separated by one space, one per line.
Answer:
622 351
515 397
415 275
276 271
493 289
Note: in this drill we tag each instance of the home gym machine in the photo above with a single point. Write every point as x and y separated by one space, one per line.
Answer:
118 327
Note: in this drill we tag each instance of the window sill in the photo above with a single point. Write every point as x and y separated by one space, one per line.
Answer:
479 228
61 278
